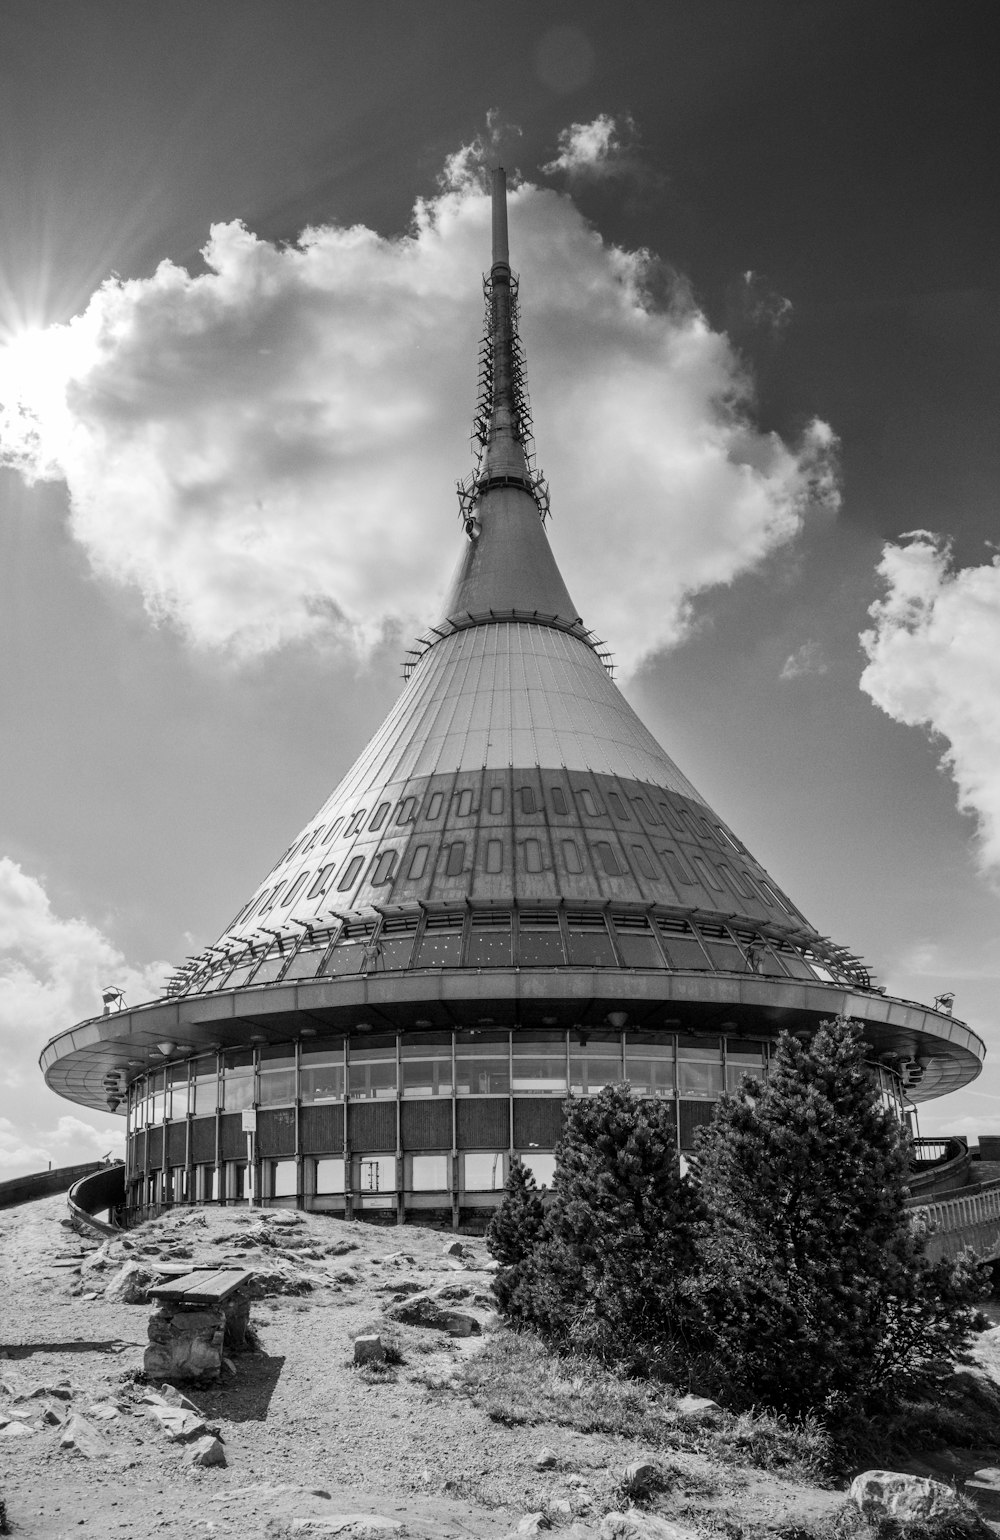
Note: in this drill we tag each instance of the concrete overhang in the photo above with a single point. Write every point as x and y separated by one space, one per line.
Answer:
76 1061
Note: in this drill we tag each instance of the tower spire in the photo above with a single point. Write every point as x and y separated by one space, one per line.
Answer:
501 255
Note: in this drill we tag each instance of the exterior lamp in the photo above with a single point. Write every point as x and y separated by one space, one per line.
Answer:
166 1048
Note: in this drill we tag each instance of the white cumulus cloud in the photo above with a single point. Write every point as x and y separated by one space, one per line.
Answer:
600 149
52 972
934 662
266 449
807 659
69 1142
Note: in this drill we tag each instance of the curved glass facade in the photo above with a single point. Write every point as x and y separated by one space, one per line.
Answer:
408 1120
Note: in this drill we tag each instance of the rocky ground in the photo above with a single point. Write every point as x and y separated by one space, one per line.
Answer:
314 1444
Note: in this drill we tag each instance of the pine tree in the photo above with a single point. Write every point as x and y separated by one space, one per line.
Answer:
513 1236
815 1277
620 1230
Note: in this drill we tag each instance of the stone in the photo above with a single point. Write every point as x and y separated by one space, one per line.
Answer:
562 1506
532 1524
185 1344
640 1477
81 1437
369 1349
353 1526
424 1310
454 1249
636 1524
492 1266
179 1426
103 1411
205 1451
889 1494
130 1284
696 1408
174 1397
14 1429
51 1418
545 1459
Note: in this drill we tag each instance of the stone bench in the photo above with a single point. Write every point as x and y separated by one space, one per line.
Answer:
198 1316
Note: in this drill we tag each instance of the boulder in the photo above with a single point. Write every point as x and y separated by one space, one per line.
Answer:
181 1427
425 1310
635 1524
890 1494
454 1249
205 1451
14 1428
130 1284
640 1477
103 1411
369 1349
81 1437
545 1459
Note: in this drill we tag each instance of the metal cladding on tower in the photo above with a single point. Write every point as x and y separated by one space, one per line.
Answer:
514 893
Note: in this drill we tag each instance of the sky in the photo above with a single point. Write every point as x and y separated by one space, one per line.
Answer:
240 300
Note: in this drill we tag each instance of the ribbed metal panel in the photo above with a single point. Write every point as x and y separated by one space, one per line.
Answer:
232 1139
176 1144
536 1122
138 1161
155 1139
371 1126
276 1131
694 1115
203 1141
322 1129
425 1125
483 1123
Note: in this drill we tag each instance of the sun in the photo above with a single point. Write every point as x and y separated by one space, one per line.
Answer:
37 364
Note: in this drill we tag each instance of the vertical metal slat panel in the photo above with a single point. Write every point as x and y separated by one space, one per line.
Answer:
426 1125
483 1124
232 1139
203 1141
276 1132
322 1129
176 1144
155 1139
694 1115
372 1125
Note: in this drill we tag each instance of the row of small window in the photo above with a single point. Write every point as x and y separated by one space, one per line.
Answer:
523 938
478 1171
681 820
478 1062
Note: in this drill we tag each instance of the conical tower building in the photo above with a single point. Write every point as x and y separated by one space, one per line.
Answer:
513 895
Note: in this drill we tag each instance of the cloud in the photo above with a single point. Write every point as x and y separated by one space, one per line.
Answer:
52 972
808 659
597 151
71 1142
266 449
934 662
755 305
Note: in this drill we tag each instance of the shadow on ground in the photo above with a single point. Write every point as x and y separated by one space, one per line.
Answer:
26 1349
247 1398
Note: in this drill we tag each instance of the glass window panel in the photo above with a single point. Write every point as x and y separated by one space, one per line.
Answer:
699 1069
427 1066
540 942
347 957
595 1060
322 881
434 806
350 875
676 868
494 856
241 973
270 967
159 1096
376 1173
484 1171
305 963
322 1072
541 1165
284 1178
649 1064
277 1086
441 946
706 874
205 1088
430 1173
559 801
540 1063
642 861
456 859
617 805
395 947
407 810
418 862
796 965
379 816
532 856
464 807
683 949
177 1080
372 1071
237 1089
639 949
607 858
744 1059
295 889
482 1064
330 1175
385 865
590 945
527 799
571 856
588 804
490 943
355 823
331 831
496 799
